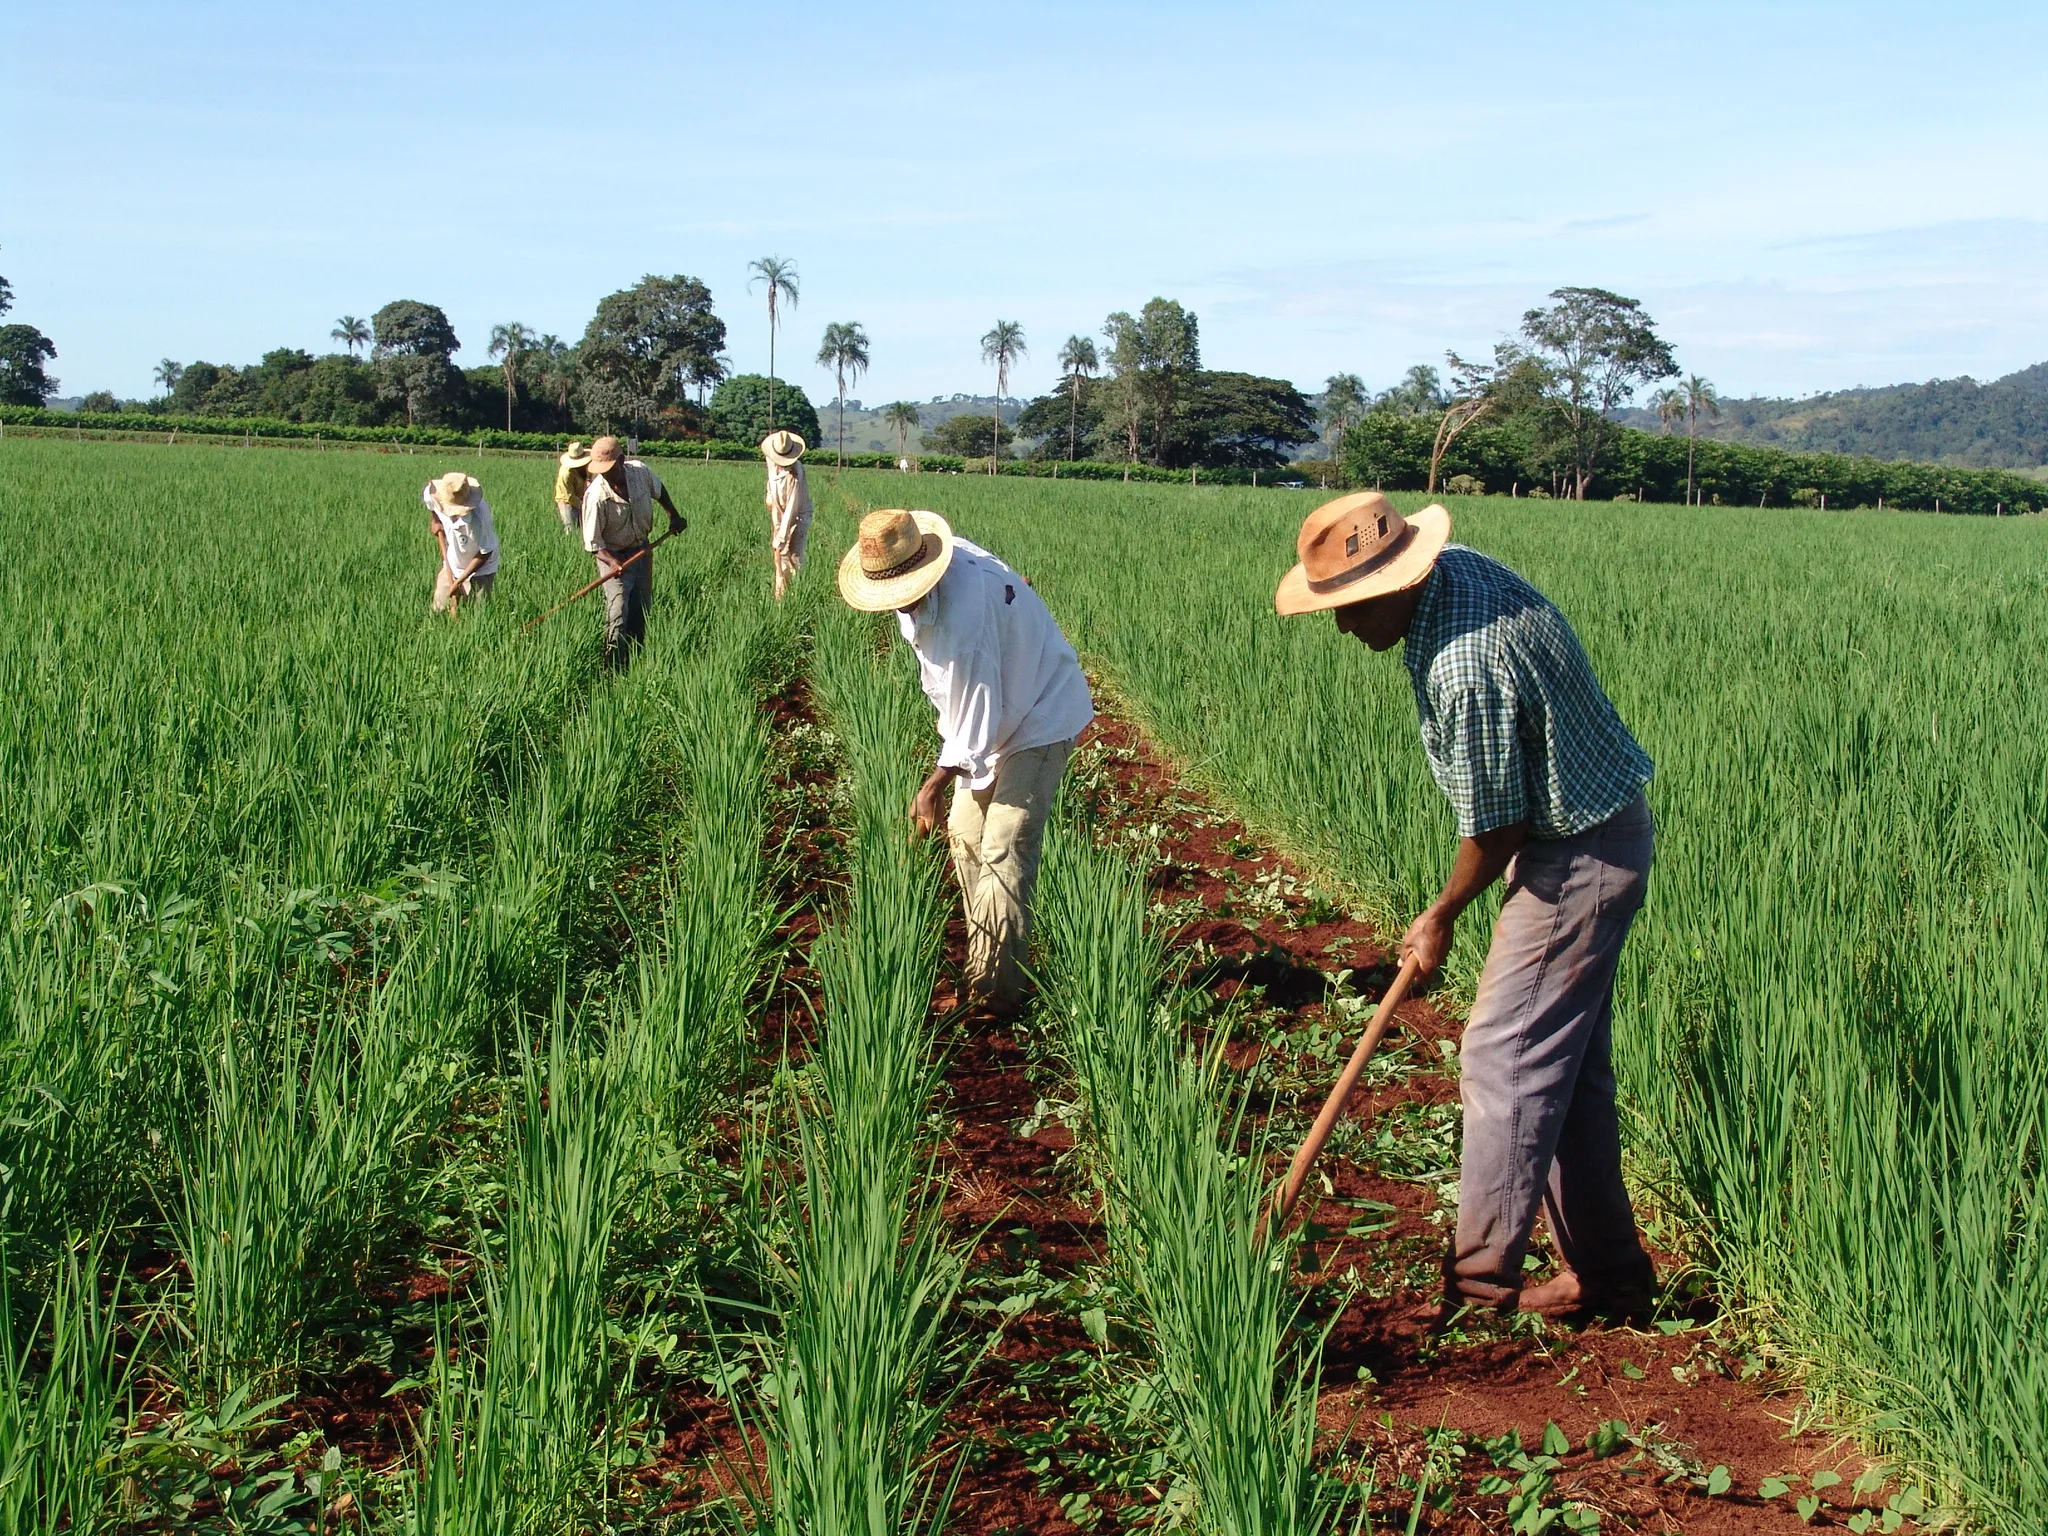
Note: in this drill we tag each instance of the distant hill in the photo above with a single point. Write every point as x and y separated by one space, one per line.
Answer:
2000 425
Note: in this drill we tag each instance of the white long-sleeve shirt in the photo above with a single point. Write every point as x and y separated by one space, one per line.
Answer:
467 536
789 505
995 666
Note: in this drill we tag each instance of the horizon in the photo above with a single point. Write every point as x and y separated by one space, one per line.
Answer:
1846 211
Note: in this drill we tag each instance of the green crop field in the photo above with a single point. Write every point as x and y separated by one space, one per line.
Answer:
394 1109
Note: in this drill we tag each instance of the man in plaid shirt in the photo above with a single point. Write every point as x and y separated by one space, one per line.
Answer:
1547 786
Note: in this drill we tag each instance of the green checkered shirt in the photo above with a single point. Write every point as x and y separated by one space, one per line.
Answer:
1514 723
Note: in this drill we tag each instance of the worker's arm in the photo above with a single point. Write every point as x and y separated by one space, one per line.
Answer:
675 518
925 812
1481 858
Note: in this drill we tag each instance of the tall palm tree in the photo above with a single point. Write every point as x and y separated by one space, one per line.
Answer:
1669 404
511 341
168 373
1002 345
903 417
557 368
780 277
1700 400
351 333
1077 357
844 350
1343 403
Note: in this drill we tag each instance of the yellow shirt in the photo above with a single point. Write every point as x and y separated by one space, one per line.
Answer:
570 485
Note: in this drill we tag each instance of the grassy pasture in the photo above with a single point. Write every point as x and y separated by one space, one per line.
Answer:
266 823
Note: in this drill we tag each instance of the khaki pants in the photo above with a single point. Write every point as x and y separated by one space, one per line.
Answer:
996 836
626 597
444 587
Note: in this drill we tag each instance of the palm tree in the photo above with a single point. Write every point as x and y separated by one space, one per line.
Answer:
557 370
168 373
903 417
780 276
1002 346
1700 400
844 350
351 333
1077 357
1669 404
1343 403
510 341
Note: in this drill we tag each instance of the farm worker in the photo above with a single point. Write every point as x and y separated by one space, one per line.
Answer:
572 479
1011 699
789 505
461 520
1547 787
618 514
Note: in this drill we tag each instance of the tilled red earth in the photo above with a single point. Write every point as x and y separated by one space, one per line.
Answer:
1694 1423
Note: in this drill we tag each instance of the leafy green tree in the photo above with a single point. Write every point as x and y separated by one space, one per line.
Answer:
341 389
643 348
414 347
167 374
6 296
1078 360
970 436
1700 400
1170 338
351 333
844 350
101 401
510 341
1595 348
23 379
1420 393
1344 401
902 415
1002 344
1238 420
779 277
555 363
1124 400
741 413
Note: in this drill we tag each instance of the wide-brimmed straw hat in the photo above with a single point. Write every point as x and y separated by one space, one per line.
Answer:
458 492
604 453
782 448
900 556
575 457
1358 547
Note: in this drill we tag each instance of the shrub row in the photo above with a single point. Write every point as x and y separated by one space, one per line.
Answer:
1393 452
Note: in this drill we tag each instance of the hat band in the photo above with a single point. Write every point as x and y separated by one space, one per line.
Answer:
902 567
1382 556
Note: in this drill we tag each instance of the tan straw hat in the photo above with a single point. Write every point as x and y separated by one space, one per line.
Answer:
573 457
604 453
1358 547
458 492
782 448
900 557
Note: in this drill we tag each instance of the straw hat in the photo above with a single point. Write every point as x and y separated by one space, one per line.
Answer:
1358 547
457 492
782 448
604 453
900 557
573 457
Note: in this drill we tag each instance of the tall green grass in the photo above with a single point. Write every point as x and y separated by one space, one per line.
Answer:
1826 1018
1184 1190
855 1396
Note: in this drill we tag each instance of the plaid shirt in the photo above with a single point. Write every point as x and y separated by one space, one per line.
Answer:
1514 723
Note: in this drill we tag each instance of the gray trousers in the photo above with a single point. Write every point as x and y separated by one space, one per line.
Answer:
996 835
1537 1078
626 597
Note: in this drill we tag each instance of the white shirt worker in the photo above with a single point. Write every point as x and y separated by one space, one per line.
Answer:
466 535
611 521
995 665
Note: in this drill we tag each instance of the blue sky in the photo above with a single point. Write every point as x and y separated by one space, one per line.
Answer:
1804 196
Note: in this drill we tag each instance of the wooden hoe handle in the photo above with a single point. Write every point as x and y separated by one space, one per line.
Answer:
589 587
1297 1174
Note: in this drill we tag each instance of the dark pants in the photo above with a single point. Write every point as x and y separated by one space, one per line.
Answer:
626 597
1537 1080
